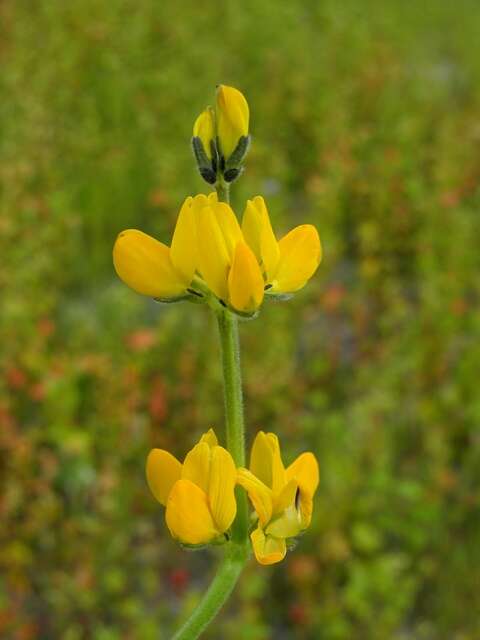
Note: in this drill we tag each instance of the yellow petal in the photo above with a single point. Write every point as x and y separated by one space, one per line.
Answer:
204 128
221 496
213 257
210 438
227 220
266 461
304 470
183 250
232 118
144 265
245 281
258 233
286 497
162 470
260 495
188 516
300 255
268 550
196 466
199 201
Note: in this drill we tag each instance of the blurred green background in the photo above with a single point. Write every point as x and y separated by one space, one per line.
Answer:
365 122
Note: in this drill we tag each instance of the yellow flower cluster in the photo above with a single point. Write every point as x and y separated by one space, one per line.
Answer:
200 500
210 250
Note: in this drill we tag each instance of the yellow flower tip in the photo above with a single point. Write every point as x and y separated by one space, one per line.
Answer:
245 280
300 255
210 438
162 471
266 461
144 264
204 128
232 118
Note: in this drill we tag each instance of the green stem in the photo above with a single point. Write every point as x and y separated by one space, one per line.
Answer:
232 384
218 592
223 191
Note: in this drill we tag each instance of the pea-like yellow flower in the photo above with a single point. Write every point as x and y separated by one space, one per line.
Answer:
152 268
288 264
282 498
225 261
198 494
204 128
232 118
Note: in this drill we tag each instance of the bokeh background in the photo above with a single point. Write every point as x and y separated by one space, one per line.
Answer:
366 123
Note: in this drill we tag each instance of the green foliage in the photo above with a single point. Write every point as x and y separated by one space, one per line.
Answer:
365 123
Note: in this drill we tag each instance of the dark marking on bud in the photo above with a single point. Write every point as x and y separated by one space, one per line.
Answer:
297 499
223 304
239 153
214 151
199 153
231 174
267 287
208 175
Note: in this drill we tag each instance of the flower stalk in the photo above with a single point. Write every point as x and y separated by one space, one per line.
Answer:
217 594
231 266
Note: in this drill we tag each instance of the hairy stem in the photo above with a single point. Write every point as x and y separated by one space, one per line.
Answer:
218 592
223 191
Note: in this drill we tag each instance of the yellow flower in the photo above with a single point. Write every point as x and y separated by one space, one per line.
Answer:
199 495
282 498
204 128
288 264
232 118
150 267
225 261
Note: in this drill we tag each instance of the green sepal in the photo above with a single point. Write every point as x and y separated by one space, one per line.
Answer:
231 175
220 540
208 175
244 315
201 157
291 543
193 547
238 154
187 297
280 297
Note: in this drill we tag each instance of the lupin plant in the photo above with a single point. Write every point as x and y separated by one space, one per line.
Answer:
231 266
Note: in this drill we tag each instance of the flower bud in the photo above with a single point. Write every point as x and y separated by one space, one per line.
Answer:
232 118
204 128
